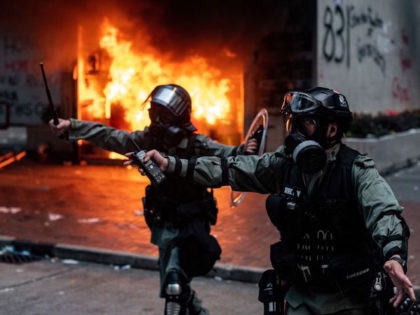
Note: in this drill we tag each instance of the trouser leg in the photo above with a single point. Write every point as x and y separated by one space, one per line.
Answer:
180 299
176 288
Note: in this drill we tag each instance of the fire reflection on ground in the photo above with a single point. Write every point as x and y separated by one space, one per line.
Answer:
99 206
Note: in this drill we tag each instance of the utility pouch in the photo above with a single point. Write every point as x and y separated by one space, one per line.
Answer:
273 206
148 213
284 262
351 270
205 209
212 210
270 294
152 212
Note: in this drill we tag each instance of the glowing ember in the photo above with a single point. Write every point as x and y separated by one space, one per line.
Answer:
131 76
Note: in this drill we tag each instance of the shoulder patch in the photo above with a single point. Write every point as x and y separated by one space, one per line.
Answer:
364 161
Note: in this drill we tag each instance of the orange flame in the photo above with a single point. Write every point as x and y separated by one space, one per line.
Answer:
131 76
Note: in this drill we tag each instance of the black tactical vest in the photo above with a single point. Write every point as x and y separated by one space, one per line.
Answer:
326 230
179 200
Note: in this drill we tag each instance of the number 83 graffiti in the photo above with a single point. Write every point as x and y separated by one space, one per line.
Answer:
335 44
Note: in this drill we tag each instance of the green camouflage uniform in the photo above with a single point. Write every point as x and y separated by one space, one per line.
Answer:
376 202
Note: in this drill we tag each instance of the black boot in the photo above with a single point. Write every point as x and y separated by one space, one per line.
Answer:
194 306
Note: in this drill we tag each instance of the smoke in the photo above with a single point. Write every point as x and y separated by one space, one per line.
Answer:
221 29
225 32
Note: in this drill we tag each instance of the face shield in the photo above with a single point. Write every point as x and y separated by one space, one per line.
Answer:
170 104
172 97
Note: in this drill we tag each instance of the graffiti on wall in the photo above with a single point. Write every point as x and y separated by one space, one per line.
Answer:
339 23
400 90
20 82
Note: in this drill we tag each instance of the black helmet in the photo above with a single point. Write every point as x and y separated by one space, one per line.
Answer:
327 104
176 100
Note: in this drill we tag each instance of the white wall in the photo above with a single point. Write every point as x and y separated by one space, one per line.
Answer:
370 51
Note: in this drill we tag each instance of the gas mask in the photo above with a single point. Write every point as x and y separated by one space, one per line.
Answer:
163 126
309 155
308 116
306 140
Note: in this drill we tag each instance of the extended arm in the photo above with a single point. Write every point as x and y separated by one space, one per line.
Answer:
243 173
382 215
108 138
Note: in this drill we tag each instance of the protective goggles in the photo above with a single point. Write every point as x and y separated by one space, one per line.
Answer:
299 103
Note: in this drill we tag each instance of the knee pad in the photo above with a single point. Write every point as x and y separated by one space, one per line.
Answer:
176 293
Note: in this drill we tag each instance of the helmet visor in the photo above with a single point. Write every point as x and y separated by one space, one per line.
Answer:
170 98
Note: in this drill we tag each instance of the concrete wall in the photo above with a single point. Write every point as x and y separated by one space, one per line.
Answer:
390 152
23 90
21 82
369 50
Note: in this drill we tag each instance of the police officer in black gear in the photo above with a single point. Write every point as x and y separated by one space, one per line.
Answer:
178 211
324 243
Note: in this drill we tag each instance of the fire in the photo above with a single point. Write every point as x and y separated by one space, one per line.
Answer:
121 82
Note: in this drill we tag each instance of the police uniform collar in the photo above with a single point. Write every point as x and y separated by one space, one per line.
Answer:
332 153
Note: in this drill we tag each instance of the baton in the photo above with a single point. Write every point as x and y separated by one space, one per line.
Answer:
47 90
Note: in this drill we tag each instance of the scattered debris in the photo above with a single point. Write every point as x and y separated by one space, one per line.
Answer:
70 262
12 210
6 290
124 267
54 216
89 220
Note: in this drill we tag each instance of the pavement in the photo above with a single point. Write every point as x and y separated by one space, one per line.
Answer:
88 223
65 287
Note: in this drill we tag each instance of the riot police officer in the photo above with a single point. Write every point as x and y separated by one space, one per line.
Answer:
178 212
339 221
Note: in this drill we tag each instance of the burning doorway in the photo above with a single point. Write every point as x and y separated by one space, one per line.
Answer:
114 80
